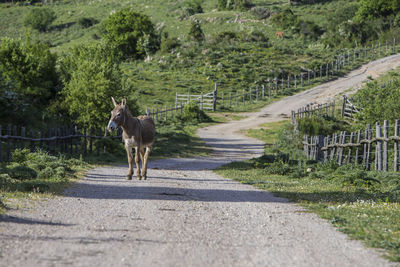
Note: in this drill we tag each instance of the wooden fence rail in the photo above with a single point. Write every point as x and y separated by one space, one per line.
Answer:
361 147
65 140
309 111
348 108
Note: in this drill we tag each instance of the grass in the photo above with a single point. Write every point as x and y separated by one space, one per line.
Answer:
364 205
235 64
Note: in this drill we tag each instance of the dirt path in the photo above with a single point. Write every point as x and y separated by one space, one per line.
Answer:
184 214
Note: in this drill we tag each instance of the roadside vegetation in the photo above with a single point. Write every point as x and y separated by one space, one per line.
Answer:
363 204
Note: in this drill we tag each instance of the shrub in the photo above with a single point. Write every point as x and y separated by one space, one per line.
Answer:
28 71
195 32
169 44
91 75
39 18
234 4
112 146
46 173
21 172
130 33
193 114
87 22
20 155
260 12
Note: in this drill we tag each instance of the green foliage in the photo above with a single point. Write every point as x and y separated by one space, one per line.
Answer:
91 75
192 113
169 44
131 34
320 126
195 32
28 79
39 18
371 9
87 22
288 20
234 4
21 172
376 101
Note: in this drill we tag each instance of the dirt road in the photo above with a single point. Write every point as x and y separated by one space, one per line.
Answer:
184 214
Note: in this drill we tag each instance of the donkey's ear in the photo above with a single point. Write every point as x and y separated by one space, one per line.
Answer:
123 103
114 102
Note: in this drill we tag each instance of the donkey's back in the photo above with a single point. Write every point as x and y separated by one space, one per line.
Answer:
148 130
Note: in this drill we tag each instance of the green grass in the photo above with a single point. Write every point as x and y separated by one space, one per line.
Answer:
235 64
364 205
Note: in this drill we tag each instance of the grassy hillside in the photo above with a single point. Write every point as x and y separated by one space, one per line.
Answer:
240 47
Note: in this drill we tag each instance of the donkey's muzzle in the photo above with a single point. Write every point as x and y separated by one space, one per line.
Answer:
111 126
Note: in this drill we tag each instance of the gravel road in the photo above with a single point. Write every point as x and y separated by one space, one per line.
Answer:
184 214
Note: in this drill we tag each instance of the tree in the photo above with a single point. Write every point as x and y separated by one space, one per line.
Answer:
91 75
371 9
39 18
131 34
28 75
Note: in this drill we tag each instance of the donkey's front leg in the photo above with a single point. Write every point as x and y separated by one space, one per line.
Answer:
137 151
130 162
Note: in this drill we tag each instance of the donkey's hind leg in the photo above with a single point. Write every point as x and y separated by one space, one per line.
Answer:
144 167
137 151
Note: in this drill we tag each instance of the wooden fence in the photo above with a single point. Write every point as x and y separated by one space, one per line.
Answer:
348 108
163 114
211 100
311 110
379 146
291 81
66 140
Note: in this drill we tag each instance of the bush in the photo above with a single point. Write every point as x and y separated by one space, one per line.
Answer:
28 80
39 18
20 155
234 4
193 114
131 34
260 12
112 146
195 32
320 126
91 75
87 22
169 44
46 173
21 172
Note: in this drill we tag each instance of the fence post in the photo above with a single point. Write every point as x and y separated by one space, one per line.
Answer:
344 105
385 145
358 146
263 92
23 137
201 101
350 151
334 148
8 157
215 97
1 146
396 147
378 147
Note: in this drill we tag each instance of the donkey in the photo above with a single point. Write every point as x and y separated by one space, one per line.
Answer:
138 132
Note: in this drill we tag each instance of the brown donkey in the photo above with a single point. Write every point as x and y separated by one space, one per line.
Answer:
137 132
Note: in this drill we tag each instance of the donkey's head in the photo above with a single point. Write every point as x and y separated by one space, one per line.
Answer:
118 115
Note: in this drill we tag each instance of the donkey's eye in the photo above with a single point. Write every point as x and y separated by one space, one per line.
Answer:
117 116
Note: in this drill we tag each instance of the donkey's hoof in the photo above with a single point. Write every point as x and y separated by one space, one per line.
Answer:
138 177
129 177
144 177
